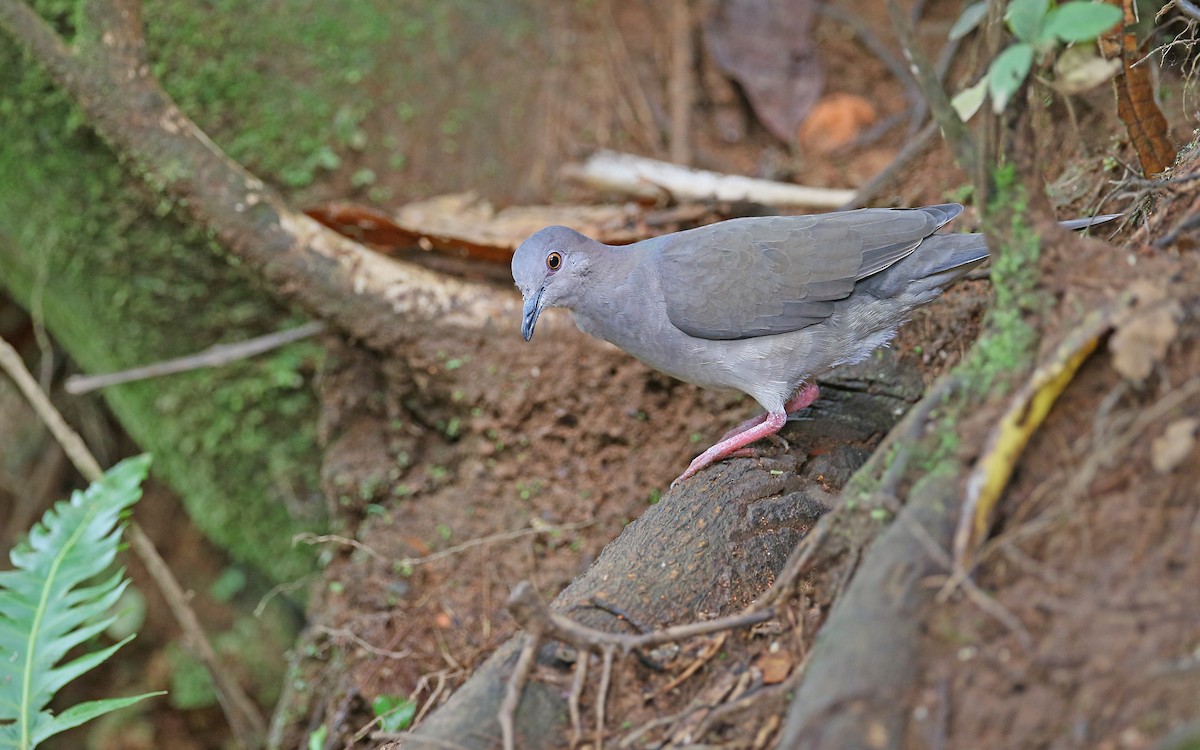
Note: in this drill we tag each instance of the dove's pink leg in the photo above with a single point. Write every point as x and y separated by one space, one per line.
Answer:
770 425
756 428
802 400
742 427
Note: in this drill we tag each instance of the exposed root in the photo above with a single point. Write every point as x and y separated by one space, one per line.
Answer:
538 620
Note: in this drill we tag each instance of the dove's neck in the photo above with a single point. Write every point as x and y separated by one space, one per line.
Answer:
612 292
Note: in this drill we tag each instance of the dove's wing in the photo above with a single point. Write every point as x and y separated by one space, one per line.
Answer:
757 277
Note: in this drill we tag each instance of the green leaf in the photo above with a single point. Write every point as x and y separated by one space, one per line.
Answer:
55 599
1007 73
85 712
316 740
968 101
395 713
1080 21
971 17
1025 18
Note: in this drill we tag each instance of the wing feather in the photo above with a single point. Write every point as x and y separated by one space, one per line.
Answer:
763 276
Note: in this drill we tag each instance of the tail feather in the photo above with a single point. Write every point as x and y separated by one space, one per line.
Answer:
939 260
943 258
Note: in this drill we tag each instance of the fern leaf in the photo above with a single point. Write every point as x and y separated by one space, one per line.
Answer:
54 600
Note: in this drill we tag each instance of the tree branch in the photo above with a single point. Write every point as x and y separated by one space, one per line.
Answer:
954 130
27 28
303 263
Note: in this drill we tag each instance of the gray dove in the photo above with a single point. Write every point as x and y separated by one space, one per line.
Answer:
757 305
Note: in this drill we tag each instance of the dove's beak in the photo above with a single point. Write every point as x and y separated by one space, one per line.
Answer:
533 308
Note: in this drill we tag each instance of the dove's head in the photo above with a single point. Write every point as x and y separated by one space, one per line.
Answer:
550 269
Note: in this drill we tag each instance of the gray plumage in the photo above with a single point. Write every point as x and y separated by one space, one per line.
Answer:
758 305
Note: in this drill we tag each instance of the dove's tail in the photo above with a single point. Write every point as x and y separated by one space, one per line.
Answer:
944 258
938 261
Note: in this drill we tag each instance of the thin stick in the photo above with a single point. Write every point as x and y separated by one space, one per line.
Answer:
362 642
682 88
602 694
245 721
411 562
214 356
953 128
70 441
516 684
578 681
530 611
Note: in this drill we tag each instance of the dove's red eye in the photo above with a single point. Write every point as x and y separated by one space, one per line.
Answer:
553 261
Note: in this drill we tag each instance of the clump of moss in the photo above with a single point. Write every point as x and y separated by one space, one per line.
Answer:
1008 339
121 281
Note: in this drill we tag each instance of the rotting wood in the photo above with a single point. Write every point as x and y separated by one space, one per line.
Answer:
651 179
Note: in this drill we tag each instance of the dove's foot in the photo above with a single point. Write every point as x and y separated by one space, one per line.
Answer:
770 424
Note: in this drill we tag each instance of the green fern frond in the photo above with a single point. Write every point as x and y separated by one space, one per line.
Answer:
53 602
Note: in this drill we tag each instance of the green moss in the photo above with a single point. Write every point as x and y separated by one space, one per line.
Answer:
294 89
1008 339
121 282
254 644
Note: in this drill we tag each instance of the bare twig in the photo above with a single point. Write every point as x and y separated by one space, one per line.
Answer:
952 127
245 721
682 85
629 84
516 684
868 192
72 444
602 693
578 681
365 645
310 538
214 356
706 654
529 610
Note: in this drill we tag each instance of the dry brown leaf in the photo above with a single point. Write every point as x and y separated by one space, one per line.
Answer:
1136 105
765 45
1144 332
836 121
775 667
1175 444
463 225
